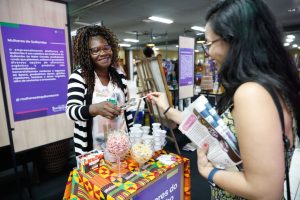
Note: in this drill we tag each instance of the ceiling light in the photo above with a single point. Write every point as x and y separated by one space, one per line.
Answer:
201 41
286 44
131 40
292 10
289 40
177 46
198 28
298 47
82 23
124 45
160 19
134 32
294 45
196 50
147 20
290 37
150 45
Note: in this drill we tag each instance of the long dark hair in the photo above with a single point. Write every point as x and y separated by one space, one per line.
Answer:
81 53
256 51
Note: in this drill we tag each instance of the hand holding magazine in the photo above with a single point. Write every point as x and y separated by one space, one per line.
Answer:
202 125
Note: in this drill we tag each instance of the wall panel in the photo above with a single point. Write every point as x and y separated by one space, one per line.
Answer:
39 131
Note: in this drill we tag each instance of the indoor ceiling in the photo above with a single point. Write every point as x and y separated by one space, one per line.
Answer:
129 18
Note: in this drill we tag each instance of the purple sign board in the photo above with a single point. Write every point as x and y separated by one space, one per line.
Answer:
186 59
37 69
169 187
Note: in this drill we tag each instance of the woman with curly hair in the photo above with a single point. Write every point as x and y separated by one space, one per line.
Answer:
96 88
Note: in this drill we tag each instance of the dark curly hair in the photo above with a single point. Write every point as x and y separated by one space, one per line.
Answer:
148 52
81 53
256 51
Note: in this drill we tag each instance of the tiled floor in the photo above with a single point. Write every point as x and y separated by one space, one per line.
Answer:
295 175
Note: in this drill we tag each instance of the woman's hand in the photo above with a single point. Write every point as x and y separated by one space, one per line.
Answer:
160 99
105 109
204 166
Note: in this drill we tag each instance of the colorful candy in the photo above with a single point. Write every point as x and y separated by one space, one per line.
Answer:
118 143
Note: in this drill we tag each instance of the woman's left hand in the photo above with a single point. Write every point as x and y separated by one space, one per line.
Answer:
204 166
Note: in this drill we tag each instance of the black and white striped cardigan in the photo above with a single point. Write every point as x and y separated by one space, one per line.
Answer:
78 110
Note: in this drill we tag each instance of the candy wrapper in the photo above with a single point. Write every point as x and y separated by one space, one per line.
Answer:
89 160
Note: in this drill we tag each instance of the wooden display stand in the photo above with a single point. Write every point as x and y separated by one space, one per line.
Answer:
150 70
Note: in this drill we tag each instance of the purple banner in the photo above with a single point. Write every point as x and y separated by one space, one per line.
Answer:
186 59
37 69
168 187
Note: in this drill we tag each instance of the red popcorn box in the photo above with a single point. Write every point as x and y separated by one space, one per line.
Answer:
89 160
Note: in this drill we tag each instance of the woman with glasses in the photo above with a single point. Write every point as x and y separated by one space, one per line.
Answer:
255 70
96 89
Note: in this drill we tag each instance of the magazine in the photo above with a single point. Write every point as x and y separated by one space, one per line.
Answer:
202 124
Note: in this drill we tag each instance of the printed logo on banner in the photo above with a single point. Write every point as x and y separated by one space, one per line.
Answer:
59 108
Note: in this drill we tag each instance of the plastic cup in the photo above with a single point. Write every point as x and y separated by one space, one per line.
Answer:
132 139
138 140
148 139
157 147
157 139
137 125
156 125
156 134
146 128
132 129
145 132
138 133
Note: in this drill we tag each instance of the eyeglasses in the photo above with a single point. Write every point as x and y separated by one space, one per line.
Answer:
207 45
97 50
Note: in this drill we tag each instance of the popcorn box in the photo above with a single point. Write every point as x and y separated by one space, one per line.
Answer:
89 160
